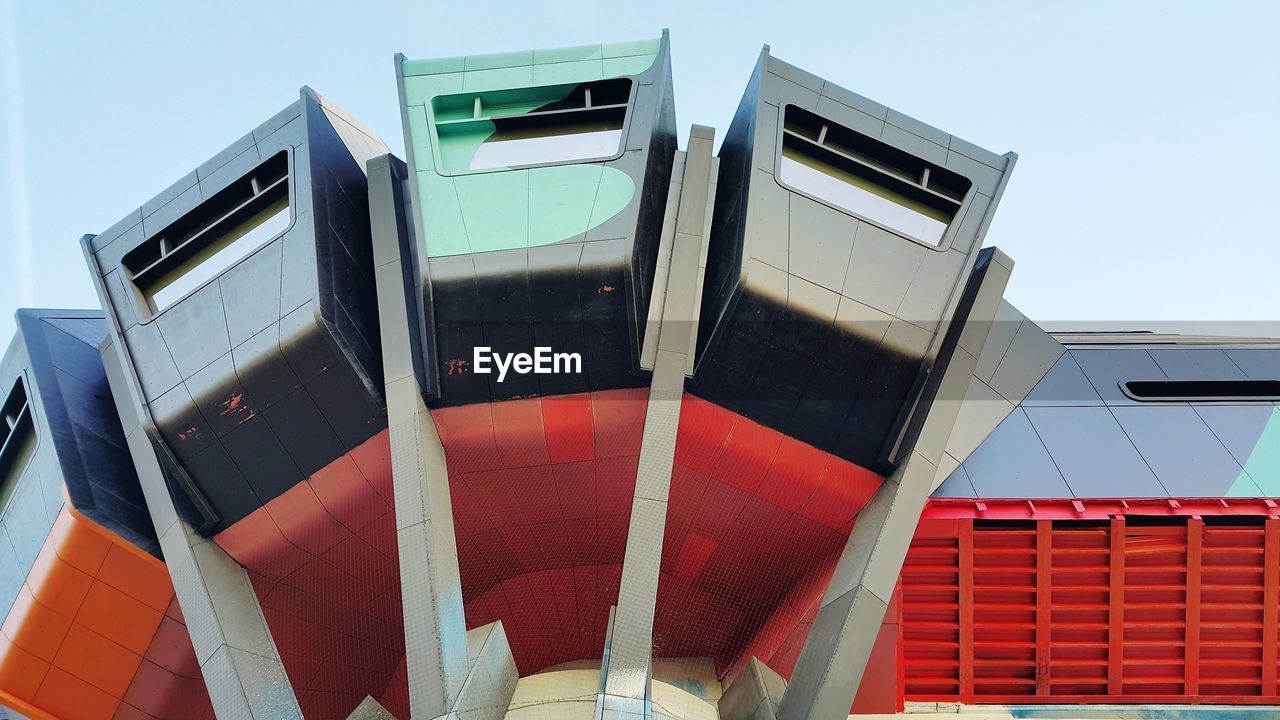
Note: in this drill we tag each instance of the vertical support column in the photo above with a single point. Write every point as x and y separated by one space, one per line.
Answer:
966 611
1115 634
836 651
1191 645
434 625
1044 602
627 676
238 658
1270 605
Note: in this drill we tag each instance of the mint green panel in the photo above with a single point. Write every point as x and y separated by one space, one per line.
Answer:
563 205
615 193
562 202
495 210
443 227
469 212
630 65
1263 465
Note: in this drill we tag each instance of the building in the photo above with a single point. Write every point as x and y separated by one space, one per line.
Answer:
785 451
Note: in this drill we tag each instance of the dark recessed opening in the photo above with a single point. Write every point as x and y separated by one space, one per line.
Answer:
868 177
1202 390
216 235
531 126
17 440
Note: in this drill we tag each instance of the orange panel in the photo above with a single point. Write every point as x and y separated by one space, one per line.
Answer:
119 617
97 660
142 577
67 696
56 584
20 672
77 544
34 627
74 640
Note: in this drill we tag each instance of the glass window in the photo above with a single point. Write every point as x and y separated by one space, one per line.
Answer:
17 440
217 235
869 178
531 126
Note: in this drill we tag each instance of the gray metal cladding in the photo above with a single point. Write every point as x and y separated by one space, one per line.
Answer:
1094 454
816 320
269 370
1182 451
1077 434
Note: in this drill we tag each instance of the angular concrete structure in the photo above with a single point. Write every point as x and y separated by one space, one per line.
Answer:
554 419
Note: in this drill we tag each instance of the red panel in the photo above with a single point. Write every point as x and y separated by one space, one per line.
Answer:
1139 611
1115 601
1191 653
747 455
1080 600
1044 603
755 521
694 553
704 429
616 414
1270 601
323 561
931 601
1096 509
880 690
570 431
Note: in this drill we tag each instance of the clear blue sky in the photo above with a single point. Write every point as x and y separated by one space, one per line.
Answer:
1148 133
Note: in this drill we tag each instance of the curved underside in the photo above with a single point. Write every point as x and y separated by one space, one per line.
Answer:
752 514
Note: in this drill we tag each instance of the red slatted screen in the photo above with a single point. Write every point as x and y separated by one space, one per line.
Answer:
1232 611
1079 611
931 612
1004 612
1155 609
1128 610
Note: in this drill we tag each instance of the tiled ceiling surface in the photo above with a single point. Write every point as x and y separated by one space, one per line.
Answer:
542 491
752 514
322 559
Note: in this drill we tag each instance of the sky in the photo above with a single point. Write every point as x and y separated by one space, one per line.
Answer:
1148 134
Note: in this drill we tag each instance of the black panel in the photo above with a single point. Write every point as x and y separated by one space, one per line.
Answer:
80 417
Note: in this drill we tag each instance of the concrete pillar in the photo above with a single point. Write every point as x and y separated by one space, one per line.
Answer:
835 653
431 589
241 666
627 673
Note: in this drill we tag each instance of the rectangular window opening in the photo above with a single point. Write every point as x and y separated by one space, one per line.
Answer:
531 126
1202 390
213 237
17 440
869 178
